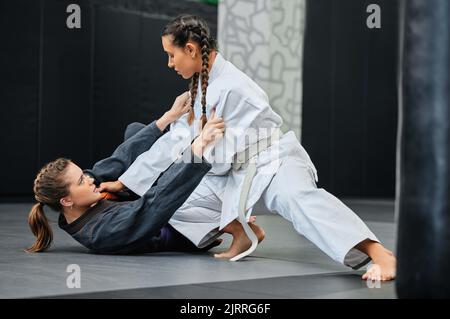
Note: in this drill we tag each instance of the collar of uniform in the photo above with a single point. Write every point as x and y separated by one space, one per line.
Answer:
79 223
217 67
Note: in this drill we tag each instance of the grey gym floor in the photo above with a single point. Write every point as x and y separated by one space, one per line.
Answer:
285 265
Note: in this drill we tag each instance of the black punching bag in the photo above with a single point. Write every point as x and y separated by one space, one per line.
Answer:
423 176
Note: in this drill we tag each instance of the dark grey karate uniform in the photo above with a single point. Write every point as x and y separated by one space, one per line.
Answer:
141 225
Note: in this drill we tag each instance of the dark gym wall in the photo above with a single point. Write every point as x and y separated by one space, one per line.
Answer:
349 121
19 91
65 85
71 92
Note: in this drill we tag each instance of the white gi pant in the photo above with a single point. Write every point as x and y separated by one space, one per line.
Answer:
293 194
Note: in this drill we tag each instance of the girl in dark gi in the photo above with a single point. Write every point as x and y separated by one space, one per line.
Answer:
136 226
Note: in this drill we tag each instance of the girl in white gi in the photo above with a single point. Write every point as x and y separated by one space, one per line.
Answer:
264 163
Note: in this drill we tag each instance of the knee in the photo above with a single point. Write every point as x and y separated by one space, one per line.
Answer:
132 129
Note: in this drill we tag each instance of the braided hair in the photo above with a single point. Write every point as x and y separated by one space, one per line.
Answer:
186 28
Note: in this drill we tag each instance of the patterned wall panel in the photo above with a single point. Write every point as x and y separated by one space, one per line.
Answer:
264 38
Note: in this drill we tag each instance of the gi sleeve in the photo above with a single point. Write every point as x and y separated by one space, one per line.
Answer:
141 175
134 223
109 169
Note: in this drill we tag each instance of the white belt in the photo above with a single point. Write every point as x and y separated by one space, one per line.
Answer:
247 159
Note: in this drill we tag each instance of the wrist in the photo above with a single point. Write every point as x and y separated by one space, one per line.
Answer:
170 117
120 184
164 121
123 187
198 146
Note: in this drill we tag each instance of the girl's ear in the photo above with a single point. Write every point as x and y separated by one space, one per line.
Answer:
66 201
190 49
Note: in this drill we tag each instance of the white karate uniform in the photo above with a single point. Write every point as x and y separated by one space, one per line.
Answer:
285 179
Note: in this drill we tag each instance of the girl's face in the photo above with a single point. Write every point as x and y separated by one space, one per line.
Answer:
82 190
186 61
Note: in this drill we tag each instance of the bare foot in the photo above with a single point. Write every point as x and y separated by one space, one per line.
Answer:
241 242
259 232
383 267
